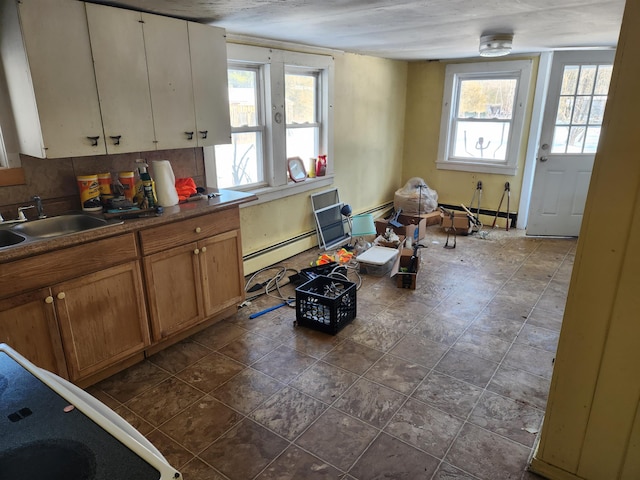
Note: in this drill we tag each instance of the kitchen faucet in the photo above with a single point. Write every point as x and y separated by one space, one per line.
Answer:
39 207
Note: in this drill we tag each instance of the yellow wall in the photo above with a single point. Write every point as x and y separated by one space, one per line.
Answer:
422 132
592 425
369 110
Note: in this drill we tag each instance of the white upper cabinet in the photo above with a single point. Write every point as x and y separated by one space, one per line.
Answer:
52 87
209 71
167 47
88 79
120 64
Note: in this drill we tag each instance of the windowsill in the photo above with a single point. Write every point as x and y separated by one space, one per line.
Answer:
268 194
476 167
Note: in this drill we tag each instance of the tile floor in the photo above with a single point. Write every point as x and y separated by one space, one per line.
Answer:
445 382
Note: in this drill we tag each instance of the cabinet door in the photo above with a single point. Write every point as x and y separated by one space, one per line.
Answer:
102 318
28 325
210 88
167 49
174 289
56 39
120 66
222 275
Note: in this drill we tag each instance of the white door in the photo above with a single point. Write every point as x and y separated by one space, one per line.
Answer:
577 93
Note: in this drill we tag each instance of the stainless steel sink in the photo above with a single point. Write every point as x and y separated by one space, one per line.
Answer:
9 238
62 225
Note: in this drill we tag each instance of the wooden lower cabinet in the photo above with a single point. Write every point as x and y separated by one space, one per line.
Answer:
28 325
222 279
192 282
102 318
173 288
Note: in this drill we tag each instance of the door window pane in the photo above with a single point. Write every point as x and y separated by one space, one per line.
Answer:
570 80
603 79
587 80
582 101
581 110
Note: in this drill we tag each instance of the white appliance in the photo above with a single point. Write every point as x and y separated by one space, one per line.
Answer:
51 426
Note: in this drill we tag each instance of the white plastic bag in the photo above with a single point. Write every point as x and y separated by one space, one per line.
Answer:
415 198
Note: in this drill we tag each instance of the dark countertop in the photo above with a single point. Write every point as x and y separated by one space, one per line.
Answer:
227 199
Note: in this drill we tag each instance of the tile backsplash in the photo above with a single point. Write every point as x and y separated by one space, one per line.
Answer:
54 180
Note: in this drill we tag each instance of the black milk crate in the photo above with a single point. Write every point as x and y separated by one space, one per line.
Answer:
326 304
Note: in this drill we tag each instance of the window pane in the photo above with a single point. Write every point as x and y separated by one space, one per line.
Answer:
570 80
565 109
303 143
243 97
581 110
576 139
559 144
487 98
591 142
481 140
300 98
240 163
603 79
597 110
587 80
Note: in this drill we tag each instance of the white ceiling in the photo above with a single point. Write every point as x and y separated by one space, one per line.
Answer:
406 29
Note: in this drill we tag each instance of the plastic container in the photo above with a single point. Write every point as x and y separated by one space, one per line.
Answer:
128 181
104 181
377 261
89 193
326 304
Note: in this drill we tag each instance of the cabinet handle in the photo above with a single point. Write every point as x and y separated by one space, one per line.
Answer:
61 296
49 299
198 230
116 139
203 249
203 133
189 135
196 251
94 141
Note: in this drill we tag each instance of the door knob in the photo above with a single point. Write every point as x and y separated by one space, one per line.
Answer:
543 159
61 296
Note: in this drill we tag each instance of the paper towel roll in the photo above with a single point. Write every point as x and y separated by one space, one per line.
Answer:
165 183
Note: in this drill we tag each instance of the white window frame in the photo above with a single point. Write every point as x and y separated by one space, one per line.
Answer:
455 73
274 63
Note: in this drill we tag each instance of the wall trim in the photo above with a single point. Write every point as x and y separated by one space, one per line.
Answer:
549 471
490 213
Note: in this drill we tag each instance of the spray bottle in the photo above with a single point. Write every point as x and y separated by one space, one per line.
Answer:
145 188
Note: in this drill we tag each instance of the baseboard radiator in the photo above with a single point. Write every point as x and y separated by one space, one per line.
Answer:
287 248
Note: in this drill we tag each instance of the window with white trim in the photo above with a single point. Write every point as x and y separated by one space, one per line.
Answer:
483 110
280 106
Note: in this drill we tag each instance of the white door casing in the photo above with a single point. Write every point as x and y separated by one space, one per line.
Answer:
564 163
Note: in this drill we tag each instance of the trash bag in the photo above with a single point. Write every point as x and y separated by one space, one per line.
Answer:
415 198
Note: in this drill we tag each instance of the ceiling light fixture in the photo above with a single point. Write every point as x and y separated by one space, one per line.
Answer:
495 45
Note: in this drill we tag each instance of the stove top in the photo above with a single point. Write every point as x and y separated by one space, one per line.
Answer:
44 436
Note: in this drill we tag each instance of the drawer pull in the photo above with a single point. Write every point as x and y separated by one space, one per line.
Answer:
94 141
196 251
48 300
61 296
198 230
189 135
203 249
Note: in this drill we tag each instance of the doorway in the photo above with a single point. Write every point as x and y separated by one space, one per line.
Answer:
573 111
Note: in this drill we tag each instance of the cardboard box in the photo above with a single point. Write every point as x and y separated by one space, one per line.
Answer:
385 243
409 228
406 279
460 222
431 218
